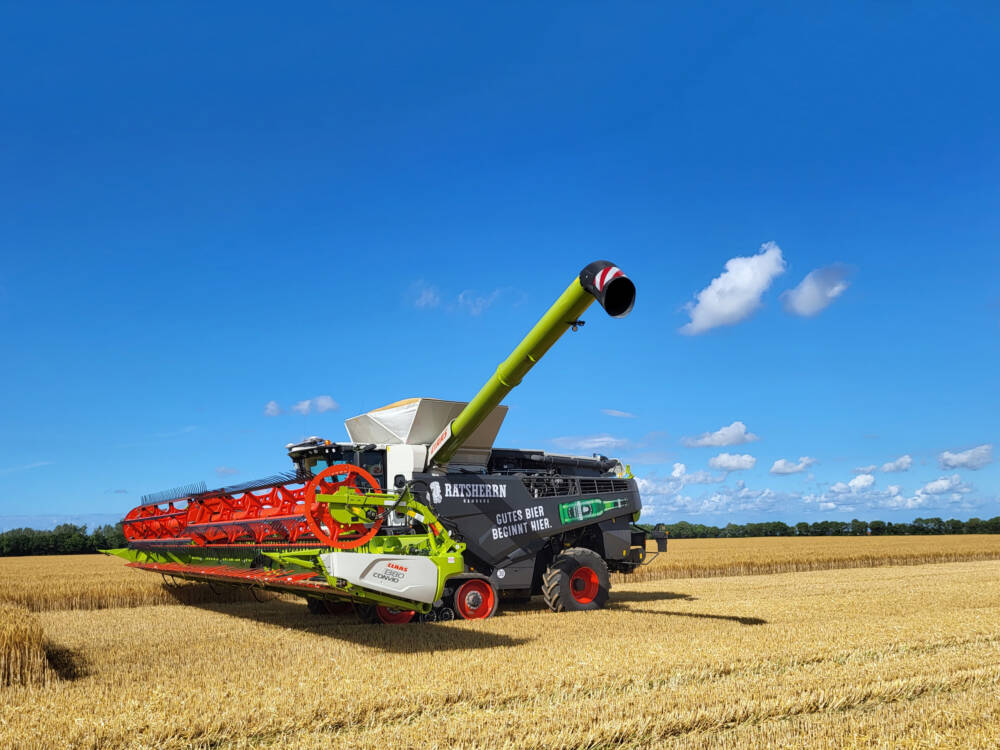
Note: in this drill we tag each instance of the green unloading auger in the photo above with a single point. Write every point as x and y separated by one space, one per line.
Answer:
600 280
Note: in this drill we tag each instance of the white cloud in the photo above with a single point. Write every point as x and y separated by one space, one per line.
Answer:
903 463
325 403
319 404
732 462
226 471
816 291
617 413
590 442
427 296
272 409
734 434
699 477
735 294
942 485
827 506
861 482
475 303
667 497
865 469
858 484
974 458
783 466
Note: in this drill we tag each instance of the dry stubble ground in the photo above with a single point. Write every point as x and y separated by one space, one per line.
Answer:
876 657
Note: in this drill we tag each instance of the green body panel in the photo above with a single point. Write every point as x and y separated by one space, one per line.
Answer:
554 323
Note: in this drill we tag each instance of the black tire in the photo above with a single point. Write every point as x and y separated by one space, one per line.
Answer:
317 606
327 606
576 581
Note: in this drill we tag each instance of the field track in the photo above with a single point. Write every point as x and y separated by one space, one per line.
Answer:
864 657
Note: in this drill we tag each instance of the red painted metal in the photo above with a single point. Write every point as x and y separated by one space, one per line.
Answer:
390 616
275 578
322 525
475 599
285 513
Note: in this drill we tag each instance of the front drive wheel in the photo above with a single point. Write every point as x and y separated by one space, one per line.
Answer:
577 580
476 599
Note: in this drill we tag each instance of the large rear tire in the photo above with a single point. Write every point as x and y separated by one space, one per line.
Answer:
576 581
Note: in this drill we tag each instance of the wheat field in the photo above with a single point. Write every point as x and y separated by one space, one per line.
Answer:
700 558
22 647
96 582
898 656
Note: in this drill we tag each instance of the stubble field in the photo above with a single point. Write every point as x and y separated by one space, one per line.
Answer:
900 656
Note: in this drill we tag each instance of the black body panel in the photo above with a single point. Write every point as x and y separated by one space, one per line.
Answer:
506 519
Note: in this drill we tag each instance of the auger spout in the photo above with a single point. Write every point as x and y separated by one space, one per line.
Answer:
601 280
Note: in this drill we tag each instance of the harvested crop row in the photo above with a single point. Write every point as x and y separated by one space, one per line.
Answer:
22 647
709 558
97 582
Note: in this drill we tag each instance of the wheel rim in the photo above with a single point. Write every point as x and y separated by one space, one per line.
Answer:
394 616
475 600
584 584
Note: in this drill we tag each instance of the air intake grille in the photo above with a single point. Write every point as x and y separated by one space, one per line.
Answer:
558 486
600 485
551 486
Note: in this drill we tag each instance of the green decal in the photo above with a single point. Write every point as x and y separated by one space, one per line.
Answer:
587 510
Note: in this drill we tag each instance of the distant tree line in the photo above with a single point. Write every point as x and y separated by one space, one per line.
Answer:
65 539
685 530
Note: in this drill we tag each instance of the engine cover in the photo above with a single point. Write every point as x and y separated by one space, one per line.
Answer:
406 576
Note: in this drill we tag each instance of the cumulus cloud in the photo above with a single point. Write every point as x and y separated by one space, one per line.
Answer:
680 473
668 498
590 442
617 413
783 466
732 462
226 471
944 484
272 409
734 434
974 458
903 463
858 484
816 291
865 469
302 407
736 293
861 482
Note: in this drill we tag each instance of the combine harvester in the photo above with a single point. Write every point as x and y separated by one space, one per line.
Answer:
464 525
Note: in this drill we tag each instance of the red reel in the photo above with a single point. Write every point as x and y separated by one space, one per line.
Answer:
338 535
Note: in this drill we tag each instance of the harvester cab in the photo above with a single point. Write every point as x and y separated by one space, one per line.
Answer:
419 516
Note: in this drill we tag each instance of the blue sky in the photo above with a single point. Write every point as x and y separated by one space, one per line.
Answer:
206 210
